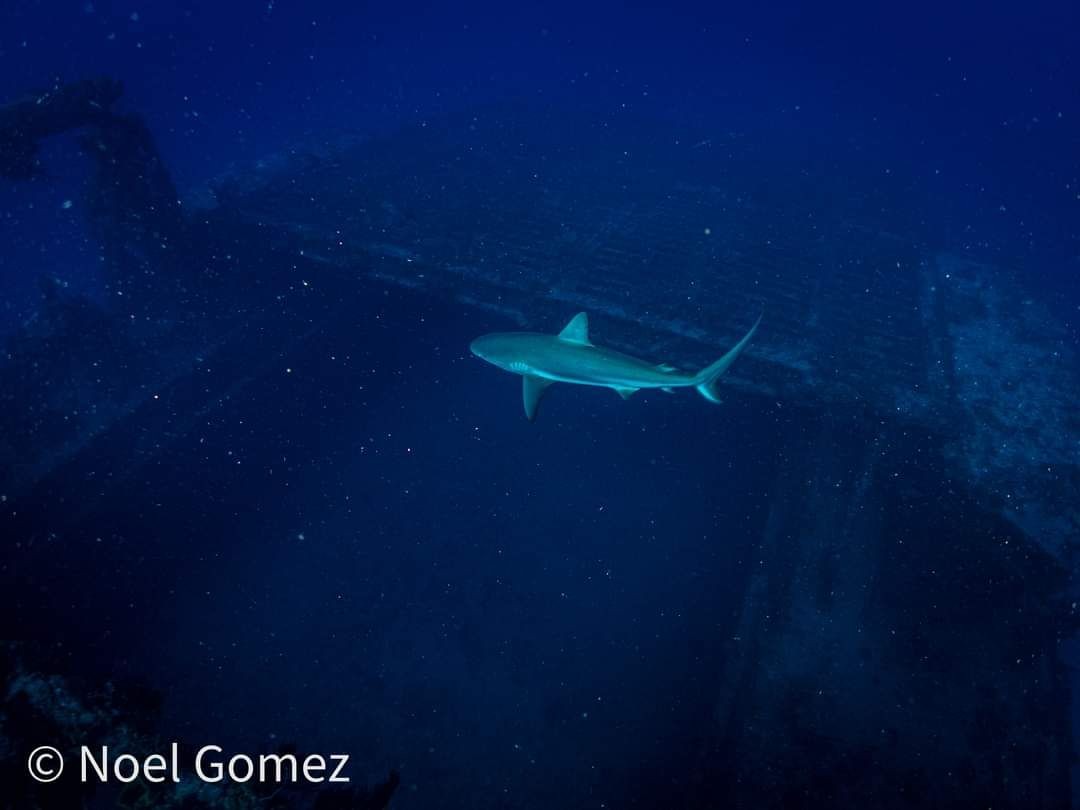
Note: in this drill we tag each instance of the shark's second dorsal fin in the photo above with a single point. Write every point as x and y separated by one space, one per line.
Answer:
577 331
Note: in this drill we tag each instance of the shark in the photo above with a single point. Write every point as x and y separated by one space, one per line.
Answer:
570 357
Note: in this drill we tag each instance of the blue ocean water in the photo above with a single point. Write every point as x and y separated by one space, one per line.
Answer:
259 494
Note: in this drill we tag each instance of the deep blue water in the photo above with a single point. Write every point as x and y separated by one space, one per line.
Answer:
984 94
367 548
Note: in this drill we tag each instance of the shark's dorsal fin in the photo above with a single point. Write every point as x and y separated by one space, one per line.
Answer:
666 367
577 331
532 389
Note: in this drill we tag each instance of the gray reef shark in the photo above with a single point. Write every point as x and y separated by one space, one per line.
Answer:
569 357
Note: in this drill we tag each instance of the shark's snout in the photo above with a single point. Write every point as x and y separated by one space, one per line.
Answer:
494 349
477 347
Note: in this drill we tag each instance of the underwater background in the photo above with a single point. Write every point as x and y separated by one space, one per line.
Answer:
255 491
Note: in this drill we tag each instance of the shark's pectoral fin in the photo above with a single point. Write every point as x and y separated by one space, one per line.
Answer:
532 389
577 331
626 393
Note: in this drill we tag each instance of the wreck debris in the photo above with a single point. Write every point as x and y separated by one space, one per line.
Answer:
26 123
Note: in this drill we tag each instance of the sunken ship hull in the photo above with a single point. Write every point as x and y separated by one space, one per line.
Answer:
925 433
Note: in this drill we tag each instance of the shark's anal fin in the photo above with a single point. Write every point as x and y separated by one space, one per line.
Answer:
577 331
532 389
626 393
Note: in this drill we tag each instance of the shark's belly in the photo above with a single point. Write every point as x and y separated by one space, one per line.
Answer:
607 375
601 381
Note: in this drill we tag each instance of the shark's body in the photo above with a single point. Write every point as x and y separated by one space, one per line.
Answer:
569 357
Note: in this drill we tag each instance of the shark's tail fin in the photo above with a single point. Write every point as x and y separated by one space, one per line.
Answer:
705 382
